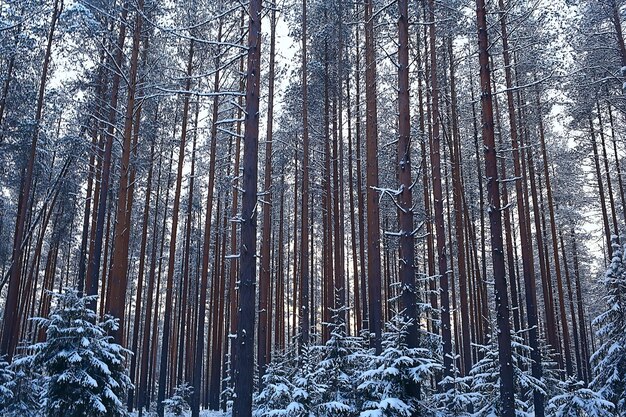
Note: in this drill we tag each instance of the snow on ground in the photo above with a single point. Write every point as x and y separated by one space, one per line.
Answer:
204 413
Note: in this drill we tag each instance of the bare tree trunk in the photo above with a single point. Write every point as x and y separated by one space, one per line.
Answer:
204 272
440 232
140 276
507 388
242 406
119 262
264 276
458 216
91 284
605 217
373 217
163 365
555 244
10 320
304 254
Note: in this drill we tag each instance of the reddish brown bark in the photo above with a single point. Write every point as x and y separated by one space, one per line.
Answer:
242 406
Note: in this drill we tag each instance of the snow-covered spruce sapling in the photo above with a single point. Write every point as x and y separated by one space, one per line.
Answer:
308 384
26 389
178 403
337 370
385 385
578 401
609 360
457 398
85 371
6 378
276 397
485 376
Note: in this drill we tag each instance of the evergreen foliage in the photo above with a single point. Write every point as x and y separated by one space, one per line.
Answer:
178 404
339 362
386 384
6 378
278 390
578 401
485 375
26 387
84 371
609 360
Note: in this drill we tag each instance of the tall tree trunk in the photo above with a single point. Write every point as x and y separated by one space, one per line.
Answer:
458 216
169 292
373 217
119 262
405 196
140 276
91 284
618 167
204 272
605 217
242 406
507 388
440 232
10 319
609 186
555 244
264 276
304 254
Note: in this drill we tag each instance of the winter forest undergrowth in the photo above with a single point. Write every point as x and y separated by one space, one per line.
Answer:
312 208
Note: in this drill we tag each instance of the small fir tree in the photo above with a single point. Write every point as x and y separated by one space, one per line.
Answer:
278 390
385 385
337 367
485 376
26 388
578 401
457 399
85 371
610 359
178 404
6 381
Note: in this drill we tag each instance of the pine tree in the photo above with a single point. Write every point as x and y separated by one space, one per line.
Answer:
578 401
25 388
458 399
6 378
610 358
384 385
178 404
485 376
277 397
339 361
85 372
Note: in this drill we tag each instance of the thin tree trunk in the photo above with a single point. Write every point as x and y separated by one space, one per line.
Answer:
605 217
440 232
204 272
264 277
119 262
373 217
163 365
458 216
304 254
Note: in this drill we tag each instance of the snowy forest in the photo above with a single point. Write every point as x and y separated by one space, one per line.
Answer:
312 208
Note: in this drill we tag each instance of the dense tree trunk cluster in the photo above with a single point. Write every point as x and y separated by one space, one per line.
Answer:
240 183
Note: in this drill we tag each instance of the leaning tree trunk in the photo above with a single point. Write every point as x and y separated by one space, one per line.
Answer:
10 321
